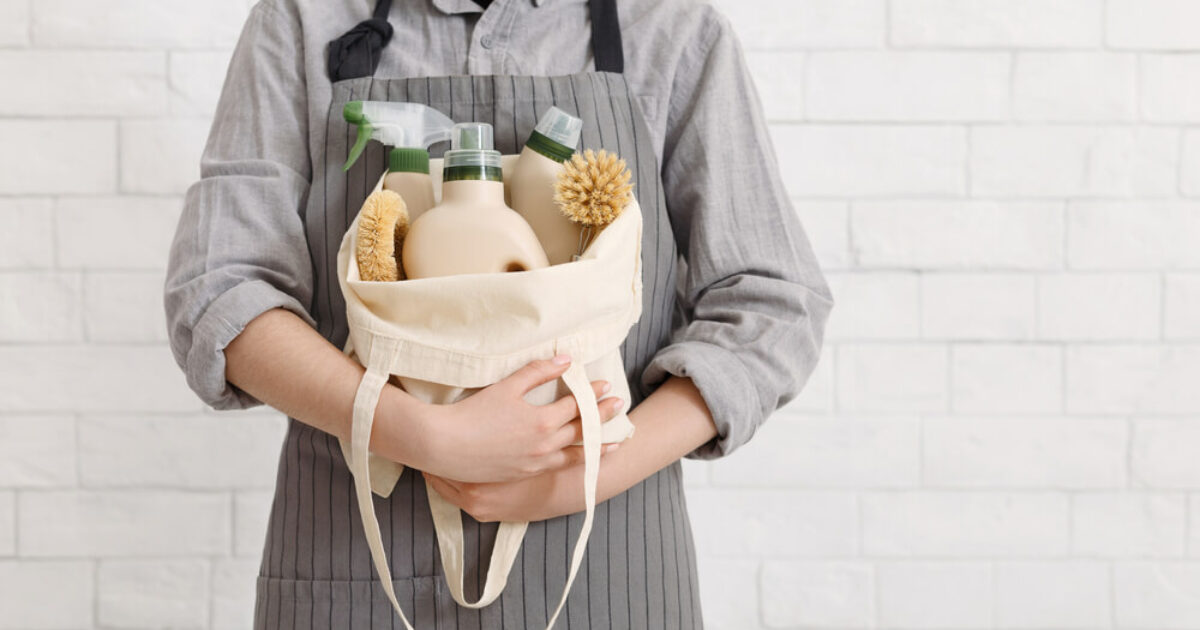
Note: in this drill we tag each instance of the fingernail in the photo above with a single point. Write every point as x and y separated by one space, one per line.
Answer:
611 447
562 359
606 388
620 403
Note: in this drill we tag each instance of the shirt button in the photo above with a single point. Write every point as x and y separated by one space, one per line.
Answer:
486 41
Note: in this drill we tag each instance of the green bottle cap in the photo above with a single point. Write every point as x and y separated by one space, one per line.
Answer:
556 135
471 154
408 160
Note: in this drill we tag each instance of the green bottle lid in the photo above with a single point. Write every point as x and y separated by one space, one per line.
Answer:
472 154
543 144
408 160
556 135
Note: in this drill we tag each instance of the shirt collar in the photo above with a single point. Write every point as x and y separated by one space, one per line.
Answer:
467 6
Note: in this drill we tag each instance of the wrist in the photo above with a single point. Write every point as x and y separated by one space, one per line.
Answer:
400 432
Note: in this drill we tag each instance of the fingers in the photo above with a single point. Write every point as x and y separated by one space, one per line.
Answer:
572 431
465 497
566 408
572 455
610 407
448 491
536 373
568 434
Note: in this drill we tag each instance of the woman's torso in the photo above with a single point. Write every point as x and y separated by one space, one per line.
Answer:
316 569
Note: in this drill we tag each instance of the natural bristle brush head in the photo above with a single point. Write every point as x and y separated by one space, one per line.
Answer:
593 188
382 225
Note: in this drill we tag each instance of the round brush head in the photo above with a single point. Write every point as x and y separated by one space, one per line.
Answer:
382 225
593 188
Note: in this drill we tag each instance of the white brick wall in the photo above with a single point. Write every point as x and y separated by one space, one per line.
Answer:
1004 430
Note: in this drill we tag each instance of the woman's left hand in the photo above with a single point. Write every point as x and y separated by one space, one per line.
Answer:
535 498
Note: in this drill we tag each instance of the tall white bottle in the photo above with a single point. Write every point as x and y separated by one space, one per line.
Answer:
532 187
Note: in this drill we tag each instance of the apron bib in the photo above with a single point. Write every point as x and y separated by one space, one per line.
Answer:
512 105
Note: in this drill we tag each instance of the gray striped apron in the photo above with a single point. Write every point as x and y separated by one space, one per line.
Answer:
640 568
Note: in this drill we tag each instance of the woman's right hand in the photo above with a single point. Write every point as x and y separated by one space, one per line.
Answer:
495 435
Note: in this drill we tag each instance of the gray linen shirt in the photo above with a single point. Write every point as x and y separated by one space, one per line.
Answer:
753 299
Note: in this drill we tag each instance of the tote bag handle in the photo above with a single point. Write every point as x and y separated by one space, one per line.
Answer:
447 517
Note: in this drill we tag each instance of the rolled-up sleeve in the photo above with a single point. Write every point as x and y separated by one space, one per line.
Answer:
754 299
240 248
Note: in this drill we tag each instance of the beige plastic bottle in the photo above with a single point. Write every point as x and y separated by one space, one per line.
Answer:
551 143
408 176
471 230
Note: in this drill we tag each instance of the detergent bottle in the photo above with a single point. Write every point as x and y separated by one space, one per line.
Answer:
541 160
471 230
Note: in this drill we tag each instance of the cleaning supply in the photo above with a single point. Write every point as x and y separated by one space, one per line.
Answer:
410 128
591 191
382 226
443 339
471 230
532 189
408 176
410 125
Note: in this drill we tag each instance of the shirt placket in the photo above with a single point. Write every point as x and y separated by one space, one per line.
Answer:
490 38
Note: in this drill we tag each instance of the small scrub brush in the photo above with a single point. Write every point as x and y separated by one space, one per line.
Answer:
382 226
591 190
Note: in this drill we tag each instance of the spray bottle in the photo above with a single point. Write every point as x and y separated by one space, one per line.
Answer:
410 128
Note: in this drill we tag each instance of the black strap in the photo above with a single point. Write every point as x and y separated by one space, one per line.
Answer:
606 36
357 53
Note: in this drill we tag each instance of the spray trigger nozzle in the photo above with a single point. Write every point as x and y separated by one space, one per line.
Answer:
396 124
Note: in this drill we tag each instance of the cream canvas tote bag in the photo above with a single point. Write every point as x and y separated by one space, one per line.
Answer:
445 338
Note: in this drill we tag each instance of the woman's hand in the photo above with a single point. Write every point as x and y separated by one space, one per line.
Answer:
670 423
495 435
536 498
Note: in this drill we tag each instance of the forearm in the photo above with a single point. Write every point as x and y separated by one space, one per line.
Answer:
670 423
282 361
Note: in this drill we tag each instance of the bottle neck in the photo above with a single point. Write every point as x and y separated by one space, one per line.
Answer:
407 180
475 192
546 147
407 174
475 172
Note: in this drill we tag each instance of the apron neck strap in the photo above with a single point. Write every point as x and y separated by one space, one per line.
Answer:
357 53
606 36
382 8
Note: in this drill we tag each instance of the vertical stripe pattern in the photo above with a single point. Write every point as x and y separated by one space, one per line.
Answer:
640 568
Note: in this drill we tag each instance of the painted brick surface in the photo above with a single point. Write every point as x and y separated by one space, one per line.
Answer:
935 594
1070 594
154 593
996 23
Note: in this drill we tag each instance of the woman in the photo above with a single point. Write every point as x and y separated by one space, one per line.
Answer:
256 317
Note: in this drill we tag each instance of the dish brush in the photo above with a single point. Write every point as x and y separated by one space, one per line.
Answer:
592 189
382 226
